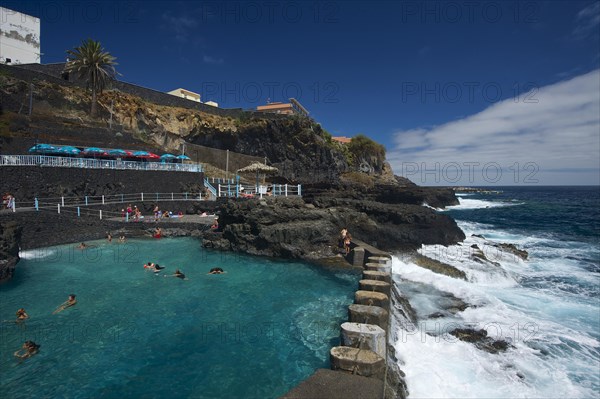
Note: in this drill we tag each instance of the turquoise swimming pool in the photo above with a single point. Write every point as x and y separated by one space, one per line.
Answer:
253 332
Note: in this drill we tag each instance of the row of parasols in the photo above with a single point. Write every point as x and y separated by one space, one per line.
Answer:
48 149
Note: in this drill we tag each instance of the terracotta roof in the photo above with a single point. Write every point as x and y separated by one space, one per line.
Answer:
342 139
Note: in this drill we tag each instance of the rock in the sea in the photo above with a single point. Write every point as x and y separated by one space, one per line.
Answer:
512 248
481 340
439 267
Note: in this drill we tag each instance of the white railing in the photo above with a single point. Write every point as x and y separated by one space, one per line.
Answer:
210 187
87 163
88 200
274 190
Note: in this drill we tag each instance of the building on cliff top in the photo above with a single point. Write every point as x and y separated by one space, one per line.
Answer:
342 139
19 38
291 108
183 93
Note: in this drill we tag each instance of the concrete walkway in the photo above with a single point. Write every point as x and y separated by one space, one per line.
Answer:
330 384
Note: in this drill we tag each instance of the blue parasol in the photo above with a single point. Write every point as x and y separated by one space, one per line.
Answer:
141 153
42 148
68 150
118 152
183 157
93 150
167 156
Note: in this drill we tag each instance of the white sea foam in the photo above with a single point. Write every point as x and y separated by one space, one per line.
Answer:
550 353
470 203
41 253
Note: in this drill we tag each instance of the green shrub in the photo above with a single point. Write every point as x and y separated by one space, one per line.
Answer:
363 149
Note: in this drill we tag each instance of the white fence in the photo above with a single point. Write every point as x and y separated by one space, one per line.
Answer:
275 190
88 163
53 202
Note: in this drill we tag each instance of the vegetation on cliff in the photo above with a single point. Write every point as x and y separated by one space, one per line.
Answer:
366 151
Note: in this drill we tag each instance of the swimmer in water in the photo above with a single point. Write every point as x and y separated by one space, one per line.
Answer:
66 304
28 349
177 274
22 315
216 270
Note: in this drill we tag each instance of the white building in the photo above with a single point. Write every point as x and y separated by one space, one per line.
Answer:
183 93
212 103
19 38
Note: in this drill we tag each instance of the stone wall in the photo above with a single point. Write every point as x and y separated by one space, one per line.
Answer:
45 228
53 73
29 182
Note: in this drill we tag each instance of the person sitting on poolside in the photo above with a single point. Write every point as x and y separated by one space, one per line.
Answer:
216 270
215 224
22 315
66 304
28 349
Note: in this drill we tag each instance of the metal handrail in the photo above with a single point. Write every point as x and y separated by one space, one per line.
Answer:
88 163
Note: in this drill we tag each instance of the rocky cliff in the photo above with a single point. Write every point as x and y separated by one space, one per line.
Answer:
294 228
299 147
10 236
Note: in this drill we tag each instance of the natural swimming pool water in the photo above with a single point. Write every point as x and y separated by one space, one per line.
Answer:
254 332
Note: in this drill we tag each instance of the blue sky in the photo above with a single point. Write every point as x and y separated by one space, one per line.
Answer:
459 92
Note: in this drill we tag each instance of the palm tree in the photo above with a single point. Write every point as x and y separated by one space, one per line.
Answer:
94 65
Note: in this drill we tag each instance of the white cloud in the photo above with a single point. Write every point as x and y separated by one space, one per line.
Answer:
180 27
588 20
559 133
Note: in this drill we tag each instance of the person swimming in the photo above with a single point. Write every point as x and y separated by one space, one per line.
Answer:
66 304
216 270
157 267
28 349
177 274
22 315
83 245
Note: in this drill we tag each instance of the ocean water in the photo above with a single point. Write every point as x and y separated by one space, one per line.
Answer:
547 307
254 332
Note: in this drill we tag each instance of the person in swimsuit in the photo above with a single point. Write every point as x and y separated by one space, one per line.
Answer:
177 274
22 315
28 349
216 270
66 304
